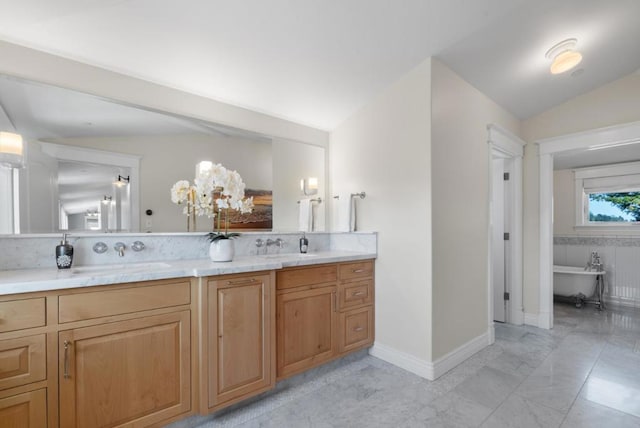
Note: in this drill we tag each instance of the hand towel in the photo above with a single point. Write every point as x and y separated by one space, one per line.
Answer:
305 215
345 212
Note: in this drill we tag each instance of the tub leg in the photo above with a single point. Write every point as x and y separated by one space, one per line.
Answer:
580 298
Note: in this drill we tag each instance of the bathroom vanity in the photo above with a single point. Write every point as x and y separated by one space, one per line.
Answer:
84 351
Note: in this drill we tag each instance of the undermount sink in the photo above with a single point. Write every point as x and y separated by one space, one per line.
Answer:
119 268
288 255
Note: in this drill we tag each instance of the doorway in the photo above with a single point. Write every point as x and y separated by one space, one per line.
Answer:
505 227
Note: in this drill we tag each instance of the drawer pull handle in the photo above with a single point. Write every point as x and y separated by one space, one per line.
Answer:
357 270
67 345
358 293
358 329
333 301
242 281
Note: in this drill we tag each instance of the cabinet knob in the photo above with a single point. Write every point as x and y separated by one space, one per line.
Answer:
358 329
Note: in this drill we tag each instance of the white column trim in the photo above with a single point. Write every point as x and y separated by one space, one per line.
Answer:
545 318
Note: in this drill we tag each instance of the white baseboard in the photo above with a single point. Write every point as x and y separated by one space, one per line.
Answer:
460 354
432 370
403 360
531 319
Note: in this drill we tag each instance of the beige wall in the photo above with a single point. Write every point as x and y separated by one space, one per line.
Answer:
460 209
564 202
612 104
35 65
384 150
167 159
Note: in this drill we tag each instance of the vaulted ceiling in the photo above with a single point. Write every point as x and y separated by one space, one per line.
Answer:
316 62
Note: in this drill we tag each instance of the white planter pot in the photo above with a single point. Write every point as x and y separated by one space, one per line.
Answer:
222 250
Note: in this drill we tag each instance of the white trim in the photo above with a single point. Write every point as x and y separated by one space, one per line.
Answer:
403 360
433 370
81 154
531 319
505 141
545 317
627 133
462 353
502 142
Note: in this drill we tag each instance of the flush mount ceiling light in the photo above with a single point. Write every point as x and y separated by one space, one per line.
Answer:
564 56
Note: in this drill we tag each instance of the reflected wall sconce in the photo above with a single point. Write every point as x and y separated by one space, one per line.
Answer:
11 150
203 168
309 186
122 181
564 56
106 199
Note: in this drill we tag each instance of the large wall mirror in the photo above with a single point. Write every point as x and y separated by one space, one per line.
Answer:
94 165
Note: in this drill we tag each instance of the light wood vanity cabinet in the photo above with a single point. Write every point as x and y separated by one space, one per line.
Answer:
323 312
238 344
117 355
127 359
23 362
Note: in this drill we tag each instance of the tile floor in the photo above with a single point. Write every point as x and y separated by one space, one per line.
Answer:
583 373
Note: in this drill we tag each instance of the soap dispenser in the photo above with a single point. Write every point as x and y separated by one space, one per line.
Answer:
64 253
304 244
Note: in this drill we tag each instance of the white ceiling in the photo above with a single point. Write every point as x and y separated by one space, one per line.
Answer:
316 62
507 61
311 61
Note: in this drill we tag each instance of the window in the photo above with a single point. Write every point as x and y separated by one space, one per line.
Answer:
608 195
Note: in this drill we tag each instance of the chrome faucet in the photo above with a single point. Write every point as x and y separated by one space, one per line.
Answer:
278 242
119 247
594 262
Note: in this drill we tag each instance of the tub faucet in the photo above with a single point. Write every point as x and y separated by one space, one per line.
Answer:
594 262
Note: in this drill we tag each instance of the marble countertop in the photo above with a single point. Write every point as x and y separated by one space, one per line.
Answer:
32 280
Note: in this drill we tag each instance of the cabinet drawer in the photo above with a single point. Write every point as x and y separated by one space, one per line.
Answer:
290 278
19 314
83 306
356 329
354 294
22 361
363 269
28 410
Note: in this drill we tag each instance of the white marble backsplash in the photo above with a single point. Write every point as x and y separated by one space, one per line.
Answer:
28 252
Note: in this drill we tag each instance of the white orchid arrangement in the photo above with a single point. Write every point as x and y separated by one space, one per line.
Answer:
218 188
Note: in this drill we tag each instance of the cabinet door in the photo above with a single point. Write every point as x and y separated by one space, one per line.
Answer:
306 329
356 329
132 373
28 410
241 336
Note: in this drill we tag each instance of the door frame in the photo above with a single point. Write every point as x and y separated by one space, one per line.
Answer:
611 136
506 145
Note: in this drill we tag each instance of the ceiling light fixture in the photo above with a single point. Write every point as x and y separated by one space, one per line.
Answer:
564 56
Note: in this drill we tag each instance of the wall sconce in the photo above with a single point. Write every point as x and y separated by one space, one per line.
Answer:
203 168
107 199
309 186
122 181
11 150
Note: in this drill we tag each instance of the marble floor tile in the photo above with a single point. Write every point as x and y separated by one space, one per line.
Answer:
488 387
587 414
518 412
